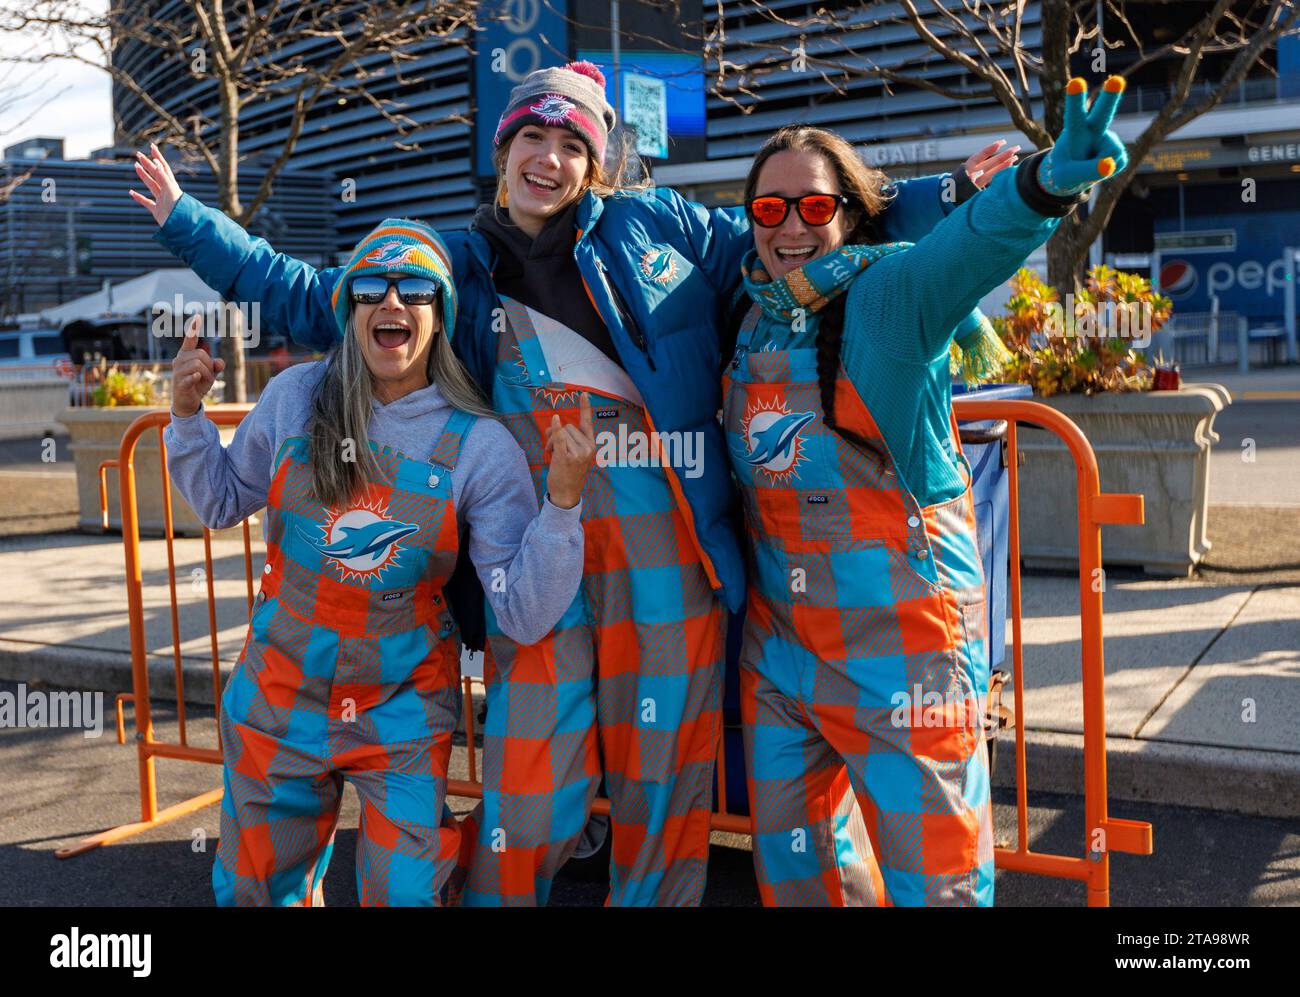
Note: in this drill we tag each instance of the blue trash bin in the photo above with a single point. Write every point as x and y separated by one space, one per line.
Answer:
989 490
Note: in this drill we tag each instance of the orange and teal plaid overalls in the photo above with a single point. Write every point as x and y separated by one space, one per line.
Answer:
627 685
865 662
350 673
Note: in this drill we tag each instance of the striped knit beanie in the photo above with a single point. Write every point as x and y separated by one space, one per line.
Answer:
399 245
572 95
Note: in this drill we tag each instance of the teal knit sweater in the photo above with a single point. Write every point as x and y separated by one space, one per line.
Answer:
901 315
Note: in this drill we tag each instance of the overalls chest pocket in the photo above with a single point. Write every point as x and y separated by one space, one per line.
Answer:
422 495
811 488
397 543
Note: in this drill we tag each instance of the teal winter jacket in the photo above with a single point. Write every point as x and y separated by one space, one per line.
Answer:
661 271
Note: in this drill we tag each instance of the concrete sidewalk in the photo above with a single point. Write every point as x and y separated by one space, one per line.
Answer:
1202 681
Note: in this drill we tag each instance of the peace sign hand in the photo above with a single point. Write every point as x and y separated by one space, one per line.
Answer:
1086 151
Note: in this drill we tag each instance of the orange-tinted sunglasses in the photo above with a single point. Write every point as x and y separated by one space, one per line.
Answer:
770 210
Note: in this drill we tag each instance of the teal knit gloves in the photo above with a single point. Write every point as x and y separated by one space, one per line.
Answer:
1086 151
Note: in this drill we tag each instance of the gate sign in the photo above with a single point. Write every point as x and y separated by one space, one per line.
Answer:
645 108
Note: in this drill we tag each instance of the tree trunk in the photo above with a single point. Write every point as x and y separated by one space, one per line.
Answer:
1067 256
231 344
1064 255
1055 16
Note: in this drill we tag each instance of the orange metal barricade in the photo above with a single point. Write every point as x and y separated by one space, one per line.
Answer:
1104 833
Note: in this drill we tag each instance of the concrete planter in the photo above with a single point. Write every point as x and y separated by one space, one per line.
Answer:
95 436
1154 443
30 406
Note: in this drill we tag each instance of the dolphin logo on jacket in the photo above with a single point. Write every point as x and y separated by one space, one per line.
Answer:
659 265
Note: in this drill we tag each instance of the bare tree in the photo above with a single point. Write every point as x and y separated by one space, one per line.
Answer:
984 40
14 93
297 56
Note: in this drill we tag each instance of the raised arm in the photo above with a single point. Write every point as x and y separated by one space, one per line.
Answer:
294 296
984 241
530 562
222 484
921 204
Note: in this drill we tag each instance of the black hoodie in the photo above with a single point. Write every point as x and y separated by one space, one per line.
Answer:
542 273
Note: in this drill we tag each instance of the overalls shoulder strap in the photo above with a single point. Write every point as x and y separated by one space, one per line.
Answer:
747 326
521 324
447 450
517 314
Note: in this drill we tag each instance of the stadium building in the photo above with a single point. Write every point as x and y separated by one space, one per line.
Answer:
69 225
1213 212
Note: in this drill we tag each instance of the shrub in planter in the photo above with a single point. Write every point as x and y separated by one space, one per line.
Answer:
118 398
1156 443
1063 347
116 388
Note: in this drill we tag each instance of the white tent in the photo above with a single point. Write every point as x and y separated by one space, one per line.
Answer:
145 295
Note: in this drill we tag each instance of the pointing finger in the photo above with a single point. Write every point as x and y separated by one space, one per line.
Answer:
585 416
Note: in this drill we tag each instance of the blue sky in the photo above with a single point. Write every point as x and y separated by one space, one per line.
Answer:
65 100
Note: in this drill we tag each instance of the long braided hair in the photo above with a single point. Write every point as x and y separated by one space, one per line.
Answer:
866 189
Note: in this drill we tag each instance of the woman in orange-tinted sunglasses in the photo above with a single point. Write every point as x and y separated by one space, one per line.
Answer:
865 666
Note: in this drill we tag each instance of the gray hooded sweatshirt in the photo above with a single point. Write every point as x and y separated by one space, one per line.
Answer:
541 553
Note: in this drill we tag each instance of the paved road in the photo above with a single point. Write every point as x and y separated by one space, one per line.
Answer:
1273 476
60 786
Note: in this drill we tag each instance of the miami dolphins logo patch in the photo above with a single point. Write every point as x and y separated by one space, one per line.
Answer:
774 439
659 265
390 254
360 542
553 109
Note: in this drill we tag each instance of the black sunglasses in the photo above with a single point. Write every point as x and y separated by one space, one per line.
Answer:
770 210
410 290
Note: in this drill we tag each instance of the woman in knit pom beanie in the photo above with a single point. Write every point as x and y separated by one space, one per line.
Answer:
376 467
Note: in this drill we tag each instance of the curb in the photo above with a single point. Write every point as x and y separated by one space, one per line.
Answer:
1232 780
104 671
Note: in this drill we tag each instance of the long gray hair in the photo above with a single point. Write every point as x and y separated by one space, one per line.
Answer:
341 460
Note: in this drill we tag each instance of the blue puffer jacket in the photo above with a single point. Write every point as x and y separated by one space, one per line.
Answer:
660 271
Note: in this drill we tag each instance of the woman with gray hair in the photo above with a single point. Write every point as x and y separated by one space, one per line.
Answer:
372 465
